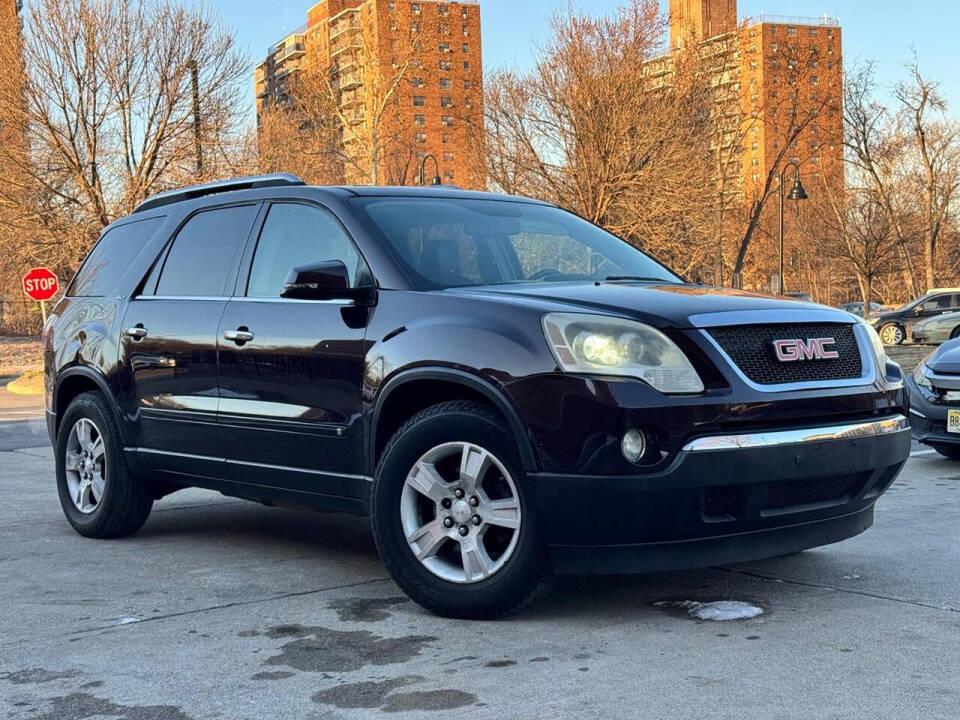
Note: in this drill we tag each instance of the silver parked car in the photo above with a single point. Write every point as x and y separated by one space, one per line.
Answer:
936 330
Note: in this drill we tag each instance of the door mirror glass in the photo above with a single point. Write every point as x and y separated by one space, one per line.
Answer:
323 281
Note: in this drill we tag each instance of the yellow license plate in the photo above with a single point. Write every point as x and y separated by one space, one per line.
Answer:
953 421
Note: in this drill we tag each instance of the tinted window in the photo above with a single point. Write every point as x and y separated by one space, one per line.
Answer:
296 235
454 242
203 252
111 258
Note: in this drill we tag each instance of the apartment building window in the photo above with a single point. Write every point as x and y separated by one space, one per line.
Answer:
448 157
791 31
420 137
446 102
445 65
830 34
419 101
415 8
756 146
776 144
449 175
830 65
393 6
447 120
814 160
466 31
415 27
443 29
463 13
467 84
774 47
814 63
814 129
468 102
444 47
443 9
445 83
417 82
813 32
393 24
466 67
420 120
466 48
755 162
773 31
814 80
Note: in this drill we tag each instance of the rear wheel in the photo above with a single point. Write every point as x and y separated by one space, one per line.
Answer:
97 493
891 334
948 451
451 517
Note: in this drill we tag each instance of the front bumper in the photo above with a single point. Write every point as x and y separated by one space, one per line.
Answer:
928 419
724 499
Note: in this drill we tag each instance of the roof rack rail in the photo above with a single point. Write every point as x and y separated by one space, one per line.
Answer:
196 191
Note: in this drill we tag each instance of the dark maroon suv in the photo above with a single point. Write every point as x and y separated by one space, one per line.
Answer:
508 391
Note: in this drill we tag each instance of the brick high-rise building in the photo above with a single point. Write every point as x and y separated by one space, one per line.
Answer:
365 46
782 78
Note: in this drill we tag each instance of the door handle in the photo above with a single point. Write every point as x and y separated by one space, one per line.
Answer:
137 333
239 336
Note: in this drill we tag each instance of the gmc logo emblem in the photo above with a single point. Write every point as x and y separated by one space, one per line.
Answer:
810 349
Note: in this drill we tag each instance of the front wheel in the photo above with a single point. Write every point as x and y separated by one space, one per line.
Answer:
451 516
99 496
891 334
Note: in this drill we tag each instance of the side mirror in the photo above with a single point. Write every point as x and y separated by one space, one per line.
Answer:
324 281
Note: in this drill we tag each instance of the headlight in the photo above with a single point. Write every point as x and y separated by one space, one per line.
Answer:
919 378
878 349
598 345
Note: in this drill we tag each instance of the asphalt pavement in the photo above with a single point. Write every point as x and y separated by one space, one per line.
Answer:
220 608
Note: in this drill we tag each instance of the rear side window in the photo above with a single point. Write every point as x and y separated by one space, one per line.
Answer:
202 256
111 258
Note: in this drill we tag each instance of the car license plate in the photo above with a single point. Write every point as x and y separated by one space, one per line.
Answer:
953 421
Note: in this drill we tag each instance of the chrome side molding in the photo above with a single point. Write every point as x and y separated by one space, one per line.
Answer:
887 426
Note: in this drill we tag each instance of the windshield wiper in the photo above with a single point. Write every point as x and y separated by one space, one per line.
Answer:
641 278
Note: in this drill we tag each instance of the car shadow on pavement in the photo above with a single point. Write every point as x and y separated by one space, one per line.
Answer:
255 533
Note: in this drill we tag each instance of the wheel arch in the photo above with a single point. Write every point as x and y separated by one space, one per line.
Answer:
410 391
76 380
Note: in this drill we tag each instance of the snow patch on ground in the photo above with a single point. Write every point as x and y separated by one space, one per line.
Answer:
720 611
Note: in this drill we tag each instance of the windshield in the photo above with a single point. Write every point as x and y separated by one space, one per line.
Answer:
446 243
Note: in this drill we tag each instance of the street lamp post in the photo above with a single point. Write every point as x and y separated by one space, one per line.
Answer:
423 171
797 192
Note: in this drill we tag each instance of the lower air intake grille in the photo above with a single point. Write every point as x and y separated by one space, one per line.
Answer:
800 493
751 348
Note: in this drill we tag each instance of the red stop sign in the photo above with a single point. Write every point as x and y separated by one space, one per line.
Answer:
40 284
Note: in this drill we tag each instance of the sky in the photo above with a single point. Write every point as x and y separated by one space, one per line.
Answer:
884 31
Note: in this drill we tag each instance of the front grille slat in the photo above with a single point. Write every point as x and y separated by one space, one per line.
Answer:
751 348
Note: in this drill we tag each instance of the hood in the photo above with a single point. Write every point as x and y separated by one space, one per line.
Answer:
662 305
946 358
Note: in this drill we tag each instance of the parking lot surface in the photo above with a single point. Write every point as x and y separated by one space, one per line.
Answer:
220 608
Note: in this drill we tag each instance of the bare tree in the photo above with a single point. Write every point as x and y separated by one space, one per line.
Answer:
936 142
109 116
608 127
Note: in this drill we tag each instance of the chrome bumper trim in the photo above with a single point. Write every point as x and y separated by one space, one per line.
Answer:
887 426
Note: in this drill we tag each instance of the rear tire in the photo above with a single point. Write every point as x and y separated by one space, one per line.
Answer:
98 495
481 555
948 451
892 334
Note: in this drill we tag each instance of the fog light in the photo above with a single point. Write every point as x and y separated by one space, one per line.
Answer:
633 445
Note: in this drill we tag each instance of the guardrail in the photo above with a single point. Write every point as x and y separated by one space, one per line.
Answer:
825 21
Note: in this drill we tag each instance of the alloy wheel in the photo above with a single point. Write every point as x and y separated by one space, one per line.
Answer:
460 512
891 335
85 466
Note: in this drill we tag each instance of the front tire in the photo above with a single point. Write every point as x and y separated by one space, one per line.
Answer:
98 495
951 452
892 334
452 518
